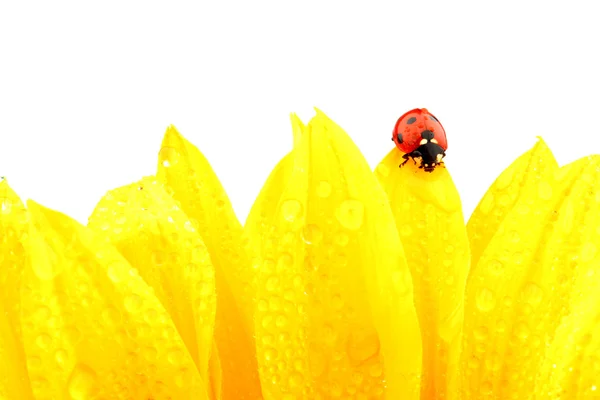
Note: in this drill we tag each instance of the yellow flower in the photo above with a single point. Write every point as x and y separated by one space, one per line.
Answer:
344 283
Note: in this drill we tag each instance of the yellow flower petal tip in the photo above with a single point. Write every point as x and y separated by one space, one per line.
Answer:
529 301
143 221
428 214
91 325
335 307
190 179
529 169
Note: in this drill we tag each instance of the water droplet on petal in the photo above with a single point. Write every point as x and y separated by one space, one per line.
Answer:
350 214
312 234
533 294
291 210
43 341
168 156
5 205
82 382
133 303
485 300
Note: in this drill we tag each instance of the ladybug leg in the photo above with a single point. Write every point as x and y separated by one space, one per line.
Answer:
406 157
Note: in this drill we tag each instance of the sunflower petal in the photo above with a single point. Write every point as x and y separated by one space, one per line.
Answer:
14 380
497 202
334 292
527 281
156 237
429 218
85 321
571 368
196 187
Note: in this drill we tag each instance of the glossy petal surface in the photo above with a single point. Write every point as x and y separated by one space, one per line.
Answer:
529 169
335 315
85 328
192 183
145 224
428 215
537 269
14 380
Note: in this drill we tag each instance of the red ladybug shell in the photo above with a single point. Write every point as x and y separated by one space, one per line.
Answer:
411 124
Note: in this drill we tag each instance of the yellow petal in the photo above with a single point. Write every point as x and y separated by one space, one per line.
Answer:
571 369
527 280
157 238
334 292
14 380
529 169
85 321
196 187
429 218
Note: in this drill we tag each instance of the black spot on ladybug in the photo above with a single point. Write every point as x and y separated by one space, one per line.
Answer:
399 137
411 120
431 117
427 134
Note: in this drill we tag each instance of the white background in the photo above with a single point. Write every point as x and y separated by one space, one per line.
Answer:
87 90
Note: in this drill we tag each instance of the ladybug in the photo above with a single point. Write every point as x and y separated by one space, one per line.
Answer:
419 135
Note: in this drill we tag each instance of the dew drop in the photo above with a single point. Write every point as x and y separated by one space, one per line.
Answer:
505 178
522 330
281 321
272 283
285 262
61 357
350 214
323 189
262 305
342 239
5 205
481 333
82 382
133 303
175 356
312 234
495 267
295 379
168 156
114 271
485 300
43 341
533 294
270 354
291 210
